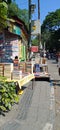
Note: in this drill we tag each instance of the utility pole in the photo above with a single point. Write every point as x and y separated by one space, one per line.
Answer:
39 35
39 9
29 40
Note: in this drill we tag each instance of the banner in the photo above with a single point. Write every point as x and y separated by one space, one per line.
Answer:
35 27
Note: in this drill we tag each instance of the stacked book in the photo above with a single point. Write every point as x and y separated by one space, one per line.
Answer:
17 75
29 67
1 70
8 69
23 66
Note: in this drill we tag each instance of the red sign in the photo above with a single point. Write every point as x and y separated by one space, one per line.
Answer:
34 48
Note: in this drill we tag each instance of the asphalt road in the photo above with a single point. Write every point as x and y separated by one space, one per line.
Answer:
36 109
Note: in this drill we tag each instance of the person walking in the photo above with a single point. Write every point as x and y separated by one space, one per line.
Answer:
16 63
59 64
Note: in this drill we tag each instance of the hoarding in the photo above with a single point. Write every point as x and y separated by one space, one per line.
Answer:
35 27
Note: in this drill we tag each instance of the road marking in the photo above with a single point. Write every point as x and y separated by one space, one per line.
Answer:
52 97
52 90
52 105
48 126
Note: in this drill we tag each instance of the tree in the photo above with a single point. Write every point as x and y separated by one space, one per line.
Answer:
9 9
50 30
3 14
9 1
15 10
52 21
35 41
23 15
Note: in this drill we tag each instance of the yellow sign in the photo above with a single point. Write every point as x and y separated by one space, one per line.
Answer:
34 27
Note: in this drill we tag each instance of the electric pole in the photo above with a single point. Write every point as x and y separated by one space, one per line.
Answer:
29 40
39 9
39 35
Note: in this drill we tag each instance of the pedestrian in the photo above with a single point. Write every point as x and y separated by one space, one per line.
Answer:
36 68
16 63
59 64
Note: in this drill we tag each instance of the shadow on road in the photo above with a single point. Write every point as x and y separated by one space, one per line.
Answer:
23 87
56 82
42 79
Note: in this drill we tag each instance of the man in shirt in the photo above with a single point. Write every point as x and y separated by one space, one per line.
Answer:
59 64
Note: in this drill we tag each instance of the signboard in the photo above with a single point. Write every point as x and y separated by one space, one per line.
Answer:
20 51
34 48
16 30
15 48
23 52
35 27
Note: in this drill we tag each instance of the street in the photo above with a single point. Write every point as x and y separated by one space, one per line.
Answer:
36 109
29 65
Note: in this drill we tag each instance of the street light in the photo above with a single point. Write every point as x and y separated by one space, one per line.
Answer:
33 6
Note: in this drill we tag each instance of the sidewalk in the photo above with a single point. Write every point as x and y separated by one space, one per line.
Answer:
11 115
33 111
56 82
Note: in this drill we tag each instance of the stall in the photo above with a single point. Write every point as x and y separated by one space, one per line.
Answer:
18 76
41 70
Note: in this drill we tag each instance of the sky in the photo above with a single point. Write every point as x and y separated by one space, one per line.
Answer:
46 6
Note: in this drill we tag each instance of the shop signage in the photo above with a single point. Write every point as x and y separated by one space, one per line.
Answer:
34 48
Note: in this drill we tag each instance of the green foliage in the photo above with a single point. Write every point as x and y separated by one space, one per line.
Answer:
8 95
2 108
51 30
52 21
9 1
2 78
3 16
35 41
13 9
23 15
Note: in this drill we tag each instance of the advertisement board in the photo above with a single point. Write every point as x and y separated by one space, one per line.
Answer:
35 27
